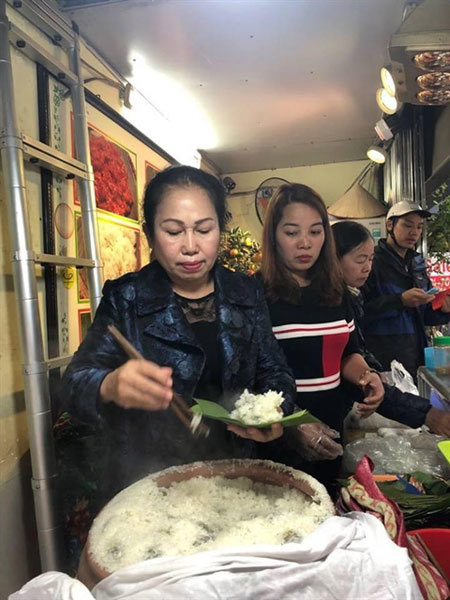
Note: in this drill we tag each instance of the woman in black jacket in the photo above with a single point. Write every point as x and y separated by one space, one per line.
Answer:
355 249
203 331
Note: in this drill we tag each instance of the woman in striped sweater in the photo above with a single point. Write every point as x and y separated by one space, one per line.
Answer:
311 313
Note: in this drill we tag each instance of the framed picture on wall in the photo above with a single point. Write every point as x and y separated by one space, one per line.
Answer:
115 180
84 322
119 247
150 172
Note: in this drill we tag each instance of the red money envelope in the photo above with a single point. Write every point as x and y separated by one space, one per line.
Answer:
439 298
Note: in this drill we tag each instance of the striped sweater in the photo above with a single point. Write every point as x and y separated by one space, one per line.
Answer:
315 339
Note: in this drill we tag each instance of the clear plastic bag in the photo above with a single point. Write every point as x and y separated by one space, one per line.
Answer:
402 379
398 454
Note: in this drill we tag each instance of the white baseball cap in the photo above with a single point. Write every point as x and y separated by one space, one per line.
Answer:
399 209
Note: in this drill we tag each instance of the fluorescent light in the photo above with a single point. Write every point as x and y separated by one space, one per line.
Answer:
174 103
377 154
388 103
387 80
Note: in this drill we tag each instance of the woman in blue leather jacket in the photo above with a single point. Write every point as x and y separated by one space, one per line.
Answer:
355 249
203 331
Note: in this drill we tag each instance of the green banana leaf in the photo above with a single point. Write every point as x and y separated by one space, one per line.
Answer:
212 410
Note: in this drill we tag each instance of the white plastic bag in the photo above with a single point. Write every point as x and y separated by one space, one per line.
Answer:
402 379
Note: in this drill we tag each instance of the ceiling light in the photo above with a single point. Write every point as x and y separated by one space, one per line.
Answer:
387 80
383 131
388 103
377 154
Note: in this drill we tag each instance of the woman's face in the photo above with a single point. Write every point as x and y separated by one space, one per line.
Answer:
357 264
299 237
186 234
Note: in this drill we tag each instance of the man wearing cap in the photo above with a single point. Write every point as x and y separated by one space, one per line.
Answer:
397 307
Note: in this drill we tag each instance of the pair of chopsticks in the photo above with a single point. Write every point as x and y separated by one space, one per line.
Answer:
178 405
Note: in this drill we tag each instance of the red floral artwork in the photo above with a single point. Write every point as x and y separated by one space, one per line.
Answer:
112 176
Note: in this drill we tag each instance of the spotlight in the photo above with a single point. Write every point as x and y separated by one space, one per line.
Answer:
383 131
377 154
388 103
388 126
387 80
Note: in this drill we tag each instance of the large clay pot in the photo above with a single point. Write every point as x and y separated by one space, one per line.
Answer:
263 471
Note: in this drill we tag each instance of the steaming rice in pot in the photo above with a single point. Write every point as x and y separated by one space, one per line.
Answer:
146 521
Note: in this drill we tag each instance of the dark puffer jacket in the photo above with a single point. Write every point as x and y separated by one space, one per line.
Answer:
393 331
400 406
144 308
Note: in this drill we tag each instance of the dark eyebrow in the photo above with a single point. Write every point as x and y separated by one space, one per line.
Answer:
178 222
297 225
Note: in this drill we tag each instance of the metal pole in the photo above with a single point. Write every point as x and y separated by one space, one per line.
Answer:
419 170
37 397
86 186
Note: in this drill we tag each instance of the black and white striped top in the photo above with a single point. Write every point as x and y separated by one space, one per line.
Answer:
315 339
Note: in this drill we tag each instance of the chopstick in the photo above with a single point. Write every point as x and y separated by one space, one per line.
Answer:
178 405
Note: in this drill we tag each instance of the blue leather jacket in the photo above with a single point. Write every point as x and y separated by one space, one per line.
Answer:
393 331
144 308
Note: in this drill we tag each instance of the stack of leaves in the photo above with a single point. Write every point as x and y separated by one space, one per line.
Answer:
239 251
423 499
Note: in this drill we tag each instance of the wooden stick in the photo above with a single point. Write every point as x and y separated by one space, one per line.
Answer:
124 343
178 405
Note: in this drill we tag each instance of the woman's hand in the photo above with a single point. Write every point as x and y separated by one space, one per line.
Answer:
258 435
138 384
374 393
315 441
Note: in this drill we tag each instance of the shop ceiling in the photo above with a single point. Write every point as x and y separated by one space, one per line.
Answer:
264 83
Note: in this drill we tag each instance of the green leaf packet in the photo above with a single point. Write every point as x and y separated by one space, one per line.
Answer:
212 410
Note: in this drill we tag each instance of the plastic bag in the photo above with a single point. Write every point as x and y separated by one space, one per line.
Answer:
398 453
402 379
